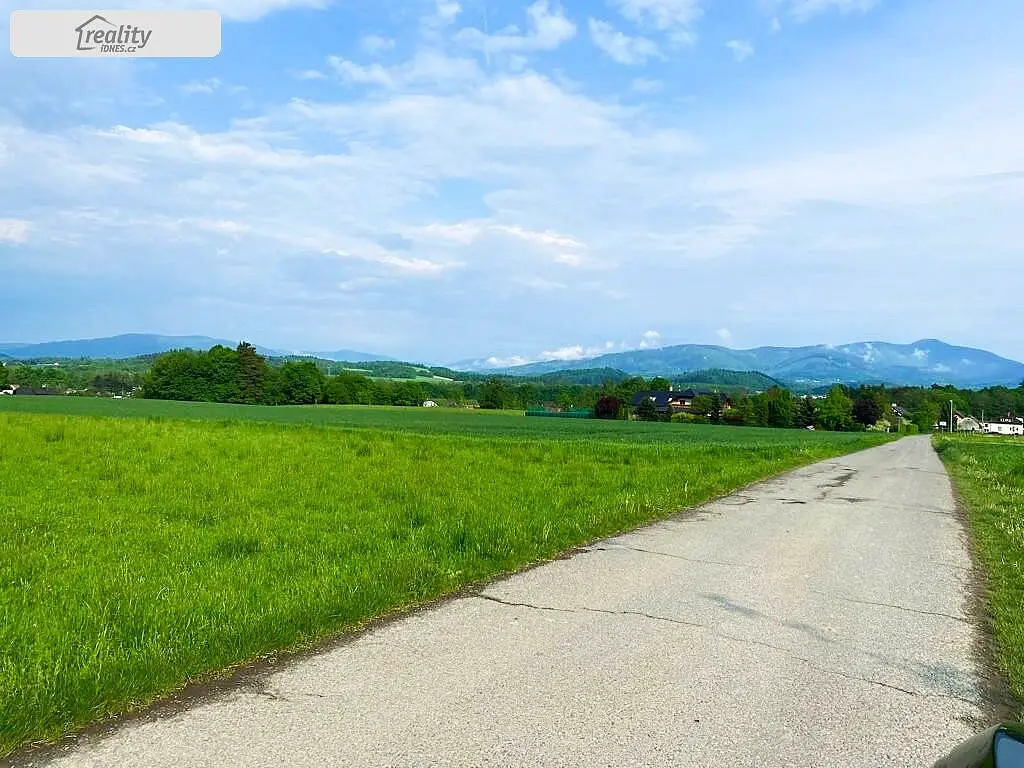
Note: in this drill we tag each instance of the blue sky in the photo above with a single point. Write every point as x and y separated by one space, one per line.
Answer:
440 180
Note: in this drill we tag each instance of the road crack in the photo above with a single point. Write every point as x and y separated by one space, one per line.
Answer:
669 554
746 641
919 611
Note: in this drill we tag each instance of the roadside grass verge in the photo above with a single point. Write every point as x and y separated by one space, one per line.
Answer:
989 474
140 554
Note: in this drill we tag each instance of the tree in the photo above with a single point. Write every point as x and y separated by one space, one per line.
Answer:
302 383
252 370
409 393
715 411
807 413
836 410
927 416
866 410
647 410
3 375
778 408
494 393
660 384
608 407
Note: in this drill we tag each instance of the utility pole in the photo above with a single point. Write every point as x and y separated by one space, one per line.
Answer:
951 416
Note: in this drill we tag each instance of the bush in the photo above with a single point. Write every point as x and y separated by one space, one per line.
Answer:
608 407
911 429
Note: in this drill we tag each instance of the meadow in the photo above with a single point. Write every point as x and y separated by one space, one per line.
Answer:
988 472
144 552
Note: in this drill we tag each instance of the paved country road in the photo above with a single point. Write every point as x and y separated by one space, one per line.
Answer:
818 619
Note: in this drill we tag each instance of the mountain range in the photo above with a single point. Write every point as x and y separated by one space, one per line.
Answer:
922 363
139 344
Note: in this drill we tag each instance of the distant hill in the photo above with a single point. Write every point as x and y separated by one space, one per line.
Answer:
922 363
350 356
727 380
141 344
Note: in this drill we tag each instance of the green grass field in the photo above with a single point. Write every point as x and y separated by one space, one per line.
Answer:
989 474
141 553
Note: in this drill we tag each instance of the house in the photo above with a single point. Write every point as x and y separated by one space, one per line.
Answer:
968 424
1007 425
676 402
20 389
9 390
430 404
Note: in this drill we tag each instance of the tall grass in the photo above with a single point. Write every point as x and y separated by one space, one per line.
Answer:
989 474
139 554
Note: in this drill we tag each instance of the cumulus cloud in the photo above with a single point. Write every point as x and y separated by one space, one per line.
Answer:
548 28
631 51
676 17
14 230
741 49
374 45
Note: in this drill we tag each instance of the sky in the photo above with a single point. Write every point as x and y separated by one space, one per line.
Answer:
441 181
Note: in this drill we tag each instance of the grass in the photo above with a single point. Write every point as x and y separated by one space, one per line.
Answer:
989 474
141 553
426 421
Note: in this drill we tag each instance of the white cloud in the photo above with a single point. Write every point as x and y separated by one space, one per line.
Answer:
776 25
741 49
427 68
209 86
468 232
650 340
575 352
411 266
631 51
447 10
507 362
724 334
676 17
310 74
921 354
374 74
374 45
14 230
569 259
549 28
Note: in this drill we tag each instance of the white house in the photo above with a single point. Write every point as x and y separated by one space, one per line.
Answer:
1006 426
430 404
968 424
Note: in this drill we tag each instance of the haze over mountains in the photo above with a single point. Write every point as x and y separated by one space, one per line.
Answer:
922 363
139 344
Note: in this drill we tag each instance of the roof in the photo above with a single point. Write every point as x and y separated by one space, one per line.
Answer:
664 399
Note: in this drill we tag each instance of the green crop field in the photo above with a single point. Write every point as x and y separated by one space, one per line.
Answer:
460 421
142 553
989 474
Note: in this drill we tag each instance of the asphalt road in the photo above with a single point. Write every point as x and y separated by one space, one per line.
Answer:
818 619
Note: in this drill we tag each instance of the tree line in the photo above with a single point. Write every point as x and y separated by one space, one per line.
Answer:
242 375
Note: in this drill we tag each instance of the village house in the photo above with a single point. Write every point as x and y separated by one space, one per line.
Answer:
676 402
1008 425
